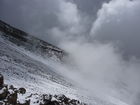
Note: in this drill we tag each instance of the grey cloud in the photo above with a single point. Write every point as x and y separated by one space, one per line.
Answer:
118 22
33 16
90 6
39 16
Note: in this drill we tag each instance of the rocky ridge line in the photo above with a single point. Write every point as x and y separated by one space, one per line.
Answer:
29 42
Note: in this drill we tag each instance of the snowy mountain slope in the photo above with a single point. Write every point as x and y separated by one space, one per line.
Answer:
14 64
21 69
29 42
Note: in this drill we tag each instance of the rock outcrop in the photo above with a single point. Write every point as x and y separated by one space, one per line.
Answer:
9 95
1 80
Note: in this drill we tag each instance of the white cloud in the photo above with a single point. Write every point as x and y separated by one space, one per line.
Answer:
100 67
114 11
68 14
119 21
72 24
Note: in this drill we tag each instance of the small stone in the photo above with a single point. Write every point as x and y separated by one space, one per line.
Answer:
11 87
74 102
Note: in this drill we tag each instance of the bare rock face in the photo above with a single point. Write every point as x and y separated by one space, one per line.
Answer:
1 80
3 88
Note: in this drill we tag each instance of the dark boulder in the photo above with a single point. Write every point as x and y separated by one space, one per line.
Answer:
75 102
1 80
62 98
46 99
54 103
50 103
3 92
12 88
22 90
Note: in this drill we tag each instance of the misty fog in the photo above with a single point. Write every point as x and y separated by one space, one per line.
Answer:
101 37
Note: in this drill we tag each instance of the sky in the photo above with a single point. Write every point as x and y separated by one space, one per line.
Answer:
101 37
39 18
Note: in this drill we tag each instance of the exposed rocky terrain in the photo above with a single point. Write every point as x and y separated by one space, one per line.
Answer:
9 95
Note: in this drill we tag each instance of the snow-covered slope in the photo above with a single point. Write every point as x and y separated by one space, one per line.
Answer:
29 42
21 67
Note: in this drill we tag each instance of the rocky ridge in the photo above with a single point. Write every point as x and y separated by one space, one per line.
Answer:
29 42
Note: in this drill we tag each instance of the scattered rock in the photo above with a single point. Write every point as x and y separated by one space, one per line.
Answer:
14 96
